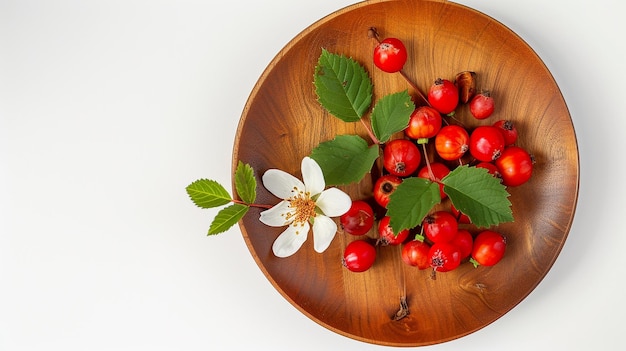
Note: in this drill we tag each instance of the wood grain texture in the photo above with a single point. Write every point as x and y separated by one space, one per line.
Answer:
282 122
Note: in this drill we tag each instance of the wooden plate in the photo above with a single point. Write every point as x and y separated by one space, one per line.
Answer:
282 122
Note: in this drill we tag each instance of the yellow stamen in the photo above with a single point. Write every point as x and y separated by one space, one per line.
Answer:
303 207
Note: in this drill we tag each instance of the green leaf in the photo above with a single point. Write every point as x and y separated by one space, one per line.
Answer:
411 202
245 183
343 87
227 217
208 193
479 195
391 114
345 159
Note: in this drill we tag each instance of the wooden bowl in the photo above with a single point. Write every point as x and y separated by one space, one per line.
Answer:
282 122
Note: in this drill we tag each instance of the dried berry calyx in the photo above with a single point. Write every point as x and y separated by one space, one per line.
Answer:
466 83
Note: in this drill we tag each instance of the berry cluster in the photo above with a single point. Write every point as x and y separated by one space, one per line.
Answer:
445 238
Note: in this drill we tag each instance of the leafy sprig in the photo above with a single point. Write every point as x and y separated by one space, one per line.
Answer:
207 193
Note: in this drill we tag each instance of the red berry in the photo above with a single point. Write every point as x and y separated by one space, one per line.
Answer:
509 132
387 236
488 248
486 143
464 241
515 166
359 219
444 257
359 256
384 187
424 123
390 55
415 253
482 105
443 96
490 167
440 226
401 157
452 142
460 216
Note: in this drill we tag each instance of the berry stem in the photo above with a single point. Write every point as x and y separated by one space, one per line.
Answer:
431 175
417 90
370 132
452 116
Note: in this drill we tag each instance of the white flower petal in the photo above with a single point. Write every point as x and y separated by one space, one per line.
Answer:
324 230
276 216
281 183
312 176
290 241
334 202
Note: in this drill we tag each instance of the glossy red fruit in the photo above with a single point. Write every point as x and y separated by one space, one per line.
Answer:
452 142
440 226
509 132
390 55
359 219
486 143
439 171
464 241
401 157
443 96
482 105
460 216
515 166
384 187
491 168
424 123
359 256
488 248
386 234
444 257
415 253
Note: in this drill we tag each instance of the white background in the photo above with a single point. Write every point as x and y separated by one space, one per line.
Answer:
109 109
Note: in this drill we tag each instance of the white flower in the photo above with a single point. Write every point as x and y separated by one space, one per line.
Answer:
304 203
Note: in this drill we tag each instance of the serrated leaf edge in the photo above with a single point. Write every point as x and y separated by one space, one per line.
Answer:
368 151
396 108
208 193
358 106
245 183
432 187
227 217
503 217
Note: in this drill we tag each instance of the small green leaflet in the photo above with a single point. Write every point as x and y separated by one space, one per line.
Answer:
479 195
206 193
411 202
245 183
345 159
227 217
391 114
343 86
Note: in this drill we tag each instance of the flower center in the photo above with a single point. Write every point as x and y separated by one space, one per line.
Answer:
303 206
